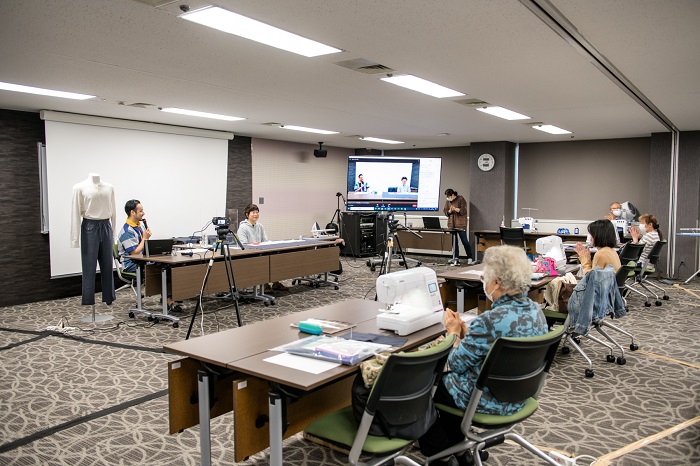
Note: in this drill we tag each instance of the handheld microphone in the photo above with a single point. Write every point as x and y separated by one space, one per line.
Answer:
145 224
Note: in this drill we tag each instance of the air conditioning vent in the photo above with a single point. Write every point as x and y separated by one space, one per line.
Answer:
362 65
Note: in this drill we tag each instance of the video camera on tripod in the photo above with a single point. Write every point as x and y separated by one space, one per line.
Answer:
222 225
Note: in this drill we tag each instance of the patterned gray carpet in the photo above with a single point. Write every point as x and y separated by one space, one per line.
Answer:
99 396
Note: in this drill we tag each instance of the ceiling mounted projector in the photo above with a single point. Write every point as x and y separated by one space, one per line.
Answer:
320 152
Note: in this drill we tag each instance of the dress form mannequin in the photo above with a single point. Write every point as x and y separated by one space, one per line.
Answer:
93 215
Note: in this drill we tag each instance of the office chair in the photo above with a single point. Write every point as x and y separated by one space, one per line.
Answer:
641 274
129 278
514 237
514 370
402 394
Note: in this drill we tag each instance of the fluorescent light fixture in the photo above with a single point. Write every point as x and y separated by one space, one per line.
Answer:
308 130
504 113
421 85
383 141
40 91
233 23
215 116
551 129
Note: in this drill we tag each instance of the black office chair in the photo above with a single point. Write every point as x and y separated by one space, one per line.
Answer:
401 395
514 237
514 370
642 273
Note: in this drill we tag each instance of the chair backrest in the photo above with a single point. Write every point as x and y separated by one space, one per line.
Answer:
403 391
655 253
514 367
513 236
631 252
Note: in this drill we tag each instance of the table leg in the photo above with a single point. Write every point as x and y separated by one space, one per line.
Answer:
204 418
275 412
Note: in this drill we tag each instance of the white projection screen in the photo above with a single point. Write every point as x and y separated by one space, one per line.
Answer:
180 180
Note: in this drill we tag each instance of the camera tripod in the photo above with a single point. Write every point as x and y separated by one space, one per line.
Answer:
228 265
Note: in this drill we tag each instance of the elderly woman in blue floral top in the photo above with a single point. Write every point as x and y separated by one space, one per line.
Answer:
507 276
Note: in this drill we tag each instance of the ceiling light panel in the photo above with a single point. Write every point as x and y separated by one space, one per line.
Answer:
40 91
308 130
383 141
504 113
421 85
215 116
242 26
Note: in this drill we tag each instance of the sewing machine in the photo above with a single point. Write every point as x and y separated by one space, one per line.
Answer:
412 300
551 246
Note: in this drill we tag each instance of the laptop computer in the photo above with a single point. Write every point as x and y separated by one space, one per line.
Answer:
158 247
432 223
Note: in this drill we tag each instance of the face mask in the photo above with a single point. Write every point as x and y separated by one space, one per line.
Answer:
617 212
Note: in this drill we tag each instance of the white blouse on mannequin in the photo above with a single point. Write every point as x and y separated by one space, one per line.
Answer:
92 199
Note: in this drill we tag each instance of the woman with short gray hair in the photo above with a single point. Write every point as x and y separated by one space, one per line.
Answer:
507 276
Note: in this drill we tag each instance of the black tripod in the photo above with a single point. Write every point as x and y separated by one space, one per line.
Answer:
222 245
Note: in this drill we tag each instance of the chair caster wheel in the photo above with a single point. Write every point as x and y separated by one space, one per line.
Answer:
634 347
150 318
665 298
589 373
131 314
610 358
647 304
565 350
176 324
658 303
621 361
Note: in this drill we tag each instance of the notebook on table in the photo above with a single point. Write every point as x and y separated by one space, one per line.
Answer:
432 222
157 247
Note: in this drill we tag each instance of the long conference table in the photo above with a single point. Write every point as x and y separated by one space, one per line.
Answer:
229 371
252 266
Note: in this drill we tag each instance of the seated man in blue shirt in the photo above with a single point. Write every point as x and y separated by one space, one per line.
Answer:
132 239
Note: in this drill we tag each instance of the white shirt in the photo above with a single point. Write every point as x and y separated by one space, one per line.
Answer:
92 199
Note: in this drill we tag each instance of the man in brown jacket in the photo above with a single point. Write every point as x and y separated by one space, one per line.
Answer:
456 212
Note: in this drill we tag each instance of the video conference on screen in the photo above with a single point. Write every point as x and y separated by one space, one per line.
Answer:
377 183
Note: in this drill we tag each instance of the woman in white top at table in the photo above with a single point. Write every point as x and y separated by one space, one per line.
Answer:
648 232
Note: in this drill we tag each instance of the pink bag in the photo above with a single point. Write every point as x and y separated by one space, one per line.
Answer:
547 266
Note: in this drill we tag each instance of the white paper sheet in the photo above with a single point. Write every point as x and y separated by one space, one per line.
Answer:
301 363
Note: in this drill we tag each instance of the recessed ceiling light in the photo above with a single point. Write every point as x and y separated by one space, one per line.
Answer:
239 25
551 129
308 130
215 116
421 85
40 91
504 113
383 141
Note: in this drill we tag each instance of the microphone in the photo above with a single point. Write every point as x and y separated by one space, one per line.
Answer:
145 224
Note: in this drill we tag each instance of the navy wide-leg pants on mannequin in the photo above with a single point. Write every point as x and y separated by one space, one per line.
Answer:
96 246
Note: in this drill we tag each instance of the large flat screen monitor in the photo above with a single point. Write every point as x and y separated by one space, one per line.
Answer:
393 183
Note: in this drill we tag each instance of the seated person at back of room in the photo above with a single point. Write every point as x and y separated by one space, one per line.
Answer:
506 281
132 240
648 231
604 238
404 187
250 231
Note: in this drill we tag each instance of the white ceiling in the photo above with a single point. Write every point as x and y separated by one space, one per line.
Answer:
493 50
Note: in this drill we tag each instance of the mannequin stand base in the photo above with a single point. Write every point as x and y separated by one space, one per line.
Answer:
94 319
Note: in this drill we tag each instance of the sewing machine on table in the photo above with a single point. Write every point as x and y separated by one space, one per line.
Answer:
412 300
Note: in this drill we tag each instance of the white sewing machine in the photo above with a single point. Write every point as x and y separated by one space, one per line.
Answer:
412 300
551 246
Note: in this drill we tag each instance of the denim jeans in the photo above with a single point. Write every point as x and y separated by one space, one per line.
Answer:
96 246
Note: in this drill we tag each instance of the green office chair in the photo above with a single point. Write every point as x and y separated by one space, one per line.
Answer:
401 395
514 370
129 278
641 274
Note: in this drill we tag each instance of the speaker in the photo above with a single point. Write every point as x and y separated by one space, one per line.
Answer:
320 152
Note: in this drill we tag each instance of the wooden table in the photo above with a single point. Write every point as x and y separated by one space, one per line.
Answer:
258 390
251 266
